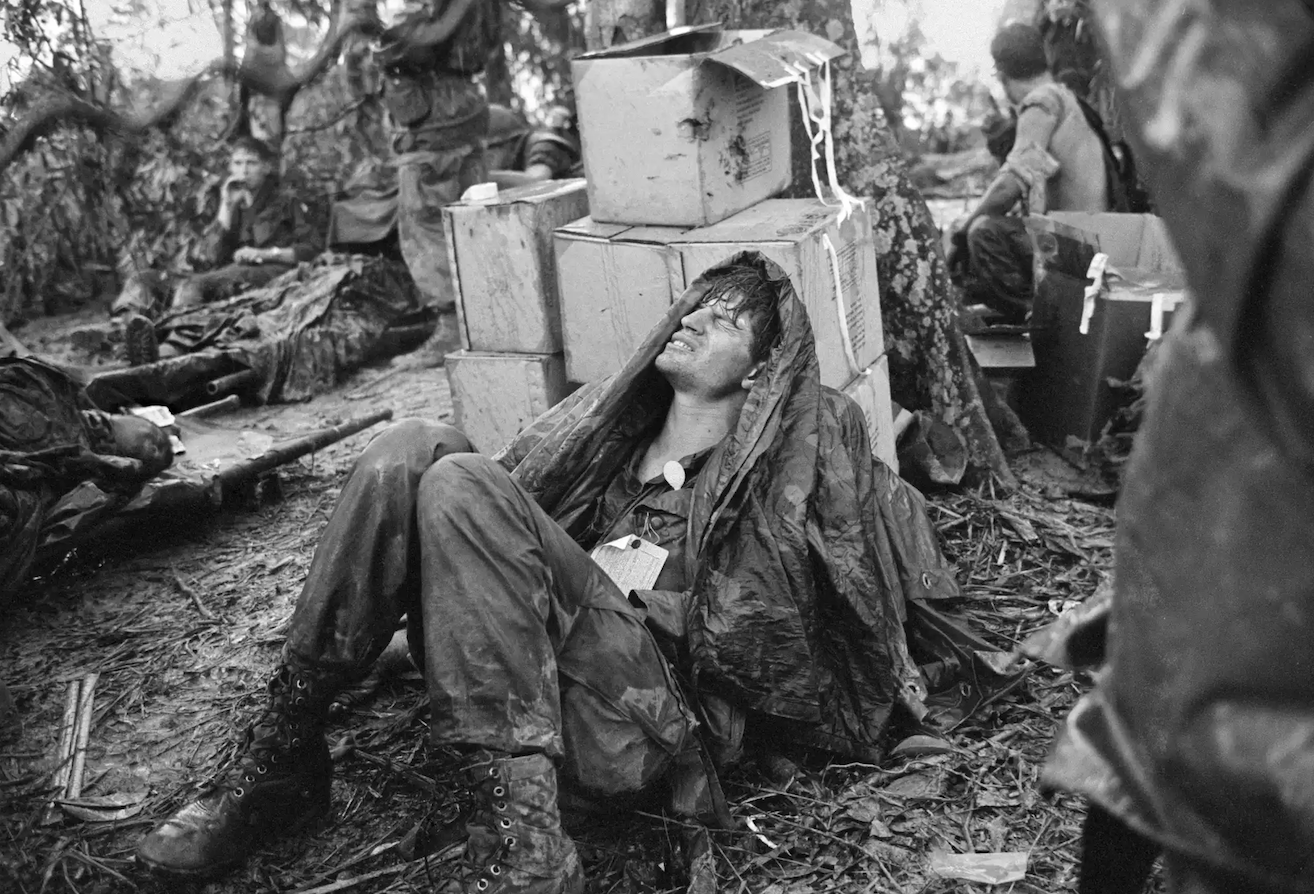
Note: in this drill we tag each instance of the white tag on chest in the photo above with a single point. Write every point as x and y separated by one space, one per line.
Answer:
632 562
673 472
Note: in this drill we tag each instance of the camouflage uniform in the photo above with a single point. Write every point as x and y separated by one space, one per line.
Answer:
529 646
440 113
1200 734
276 219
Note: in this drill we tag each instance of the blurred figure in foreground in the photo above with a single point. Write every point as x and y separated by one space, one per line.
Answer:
1199 739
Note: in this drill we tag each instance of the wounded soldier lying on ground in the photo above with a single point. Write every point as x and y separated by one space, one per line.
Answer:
298 334
62 461
785 562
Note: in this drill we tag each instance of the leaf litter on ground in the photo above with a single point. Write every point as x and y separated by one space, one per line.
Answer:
177 688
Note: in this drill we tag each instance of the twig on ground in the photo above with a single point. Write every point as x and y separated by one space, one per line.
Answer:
190 593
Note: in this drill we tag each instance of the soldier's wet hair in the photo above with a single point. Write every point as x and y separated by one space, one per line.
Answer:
745 289
1019 52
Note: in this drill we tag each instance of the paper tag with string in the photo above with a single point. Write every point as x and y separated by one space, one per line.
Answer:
632 562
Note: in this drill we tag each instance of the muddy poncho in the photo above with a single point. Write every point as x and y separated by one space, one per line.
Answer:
60 468
1201 732
806 554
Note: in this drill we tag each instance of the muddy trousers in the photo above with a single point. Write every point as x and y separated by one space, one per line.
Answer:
526 645
153 293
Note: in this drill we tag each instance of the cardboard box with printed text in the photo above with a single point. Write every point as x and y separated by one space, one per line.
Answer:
686 128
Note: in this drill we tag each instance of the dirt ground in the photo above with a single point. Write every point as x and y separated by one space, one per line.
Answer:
184 621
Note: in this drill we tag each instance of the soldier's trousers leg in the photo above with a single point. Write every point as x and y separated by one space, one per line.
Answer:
427 180
530 647
225 282
999 267
365 573
1114 858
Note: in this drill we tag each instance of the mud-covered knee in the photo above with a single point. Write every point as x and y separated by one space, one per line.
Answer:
463 481
410 444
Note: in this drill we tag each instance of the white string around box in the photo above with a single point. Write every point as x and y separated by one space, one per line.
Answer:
815 99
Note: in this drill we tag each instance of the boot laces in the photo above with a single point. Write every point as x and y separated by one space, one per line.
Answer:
277 735
492 833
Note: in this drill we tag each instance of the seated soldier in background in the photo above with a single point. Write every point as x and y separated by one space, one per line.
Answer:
518 153
1057 163
257 234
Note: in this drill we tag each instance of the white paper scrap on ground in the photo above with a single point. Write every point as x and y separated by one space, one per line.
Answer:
632 562
990 869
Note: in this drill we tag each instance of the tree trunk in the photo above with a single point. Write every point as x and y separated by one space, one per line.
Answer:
930 366
608 22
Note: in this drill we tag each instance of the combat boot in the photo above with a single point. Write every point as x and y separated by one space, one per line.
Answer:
279 783
516 844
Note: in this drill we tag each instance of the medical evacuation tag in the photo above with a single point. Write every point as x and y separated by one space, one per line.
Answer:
632 562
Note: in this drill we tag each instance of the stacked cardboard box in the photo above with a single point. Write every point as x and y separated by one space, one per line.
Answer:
685 138
617 281
508 311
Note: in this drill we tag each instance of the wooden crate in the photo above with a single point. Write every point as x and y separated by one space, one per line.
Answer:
495 395
505 269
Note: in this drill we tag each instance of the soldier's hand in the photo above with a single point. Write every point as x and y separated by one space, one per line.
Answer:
234 193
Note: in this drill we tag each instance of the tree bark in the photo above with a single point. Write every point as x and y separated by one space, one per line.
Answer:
930 365
608 22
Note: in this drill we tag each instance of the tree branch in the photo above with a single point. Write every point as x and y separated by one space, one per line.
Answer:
280 84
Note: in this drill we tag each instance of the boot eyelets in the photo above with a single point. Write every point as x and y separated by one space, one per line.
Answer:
499 791
509 842
296 742
239 792
299 683
482 884
494 870
247 777
262 769
500 806
505 823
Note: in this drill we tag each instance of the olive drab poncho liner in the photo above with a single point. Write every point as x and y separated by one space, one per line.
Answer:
806 554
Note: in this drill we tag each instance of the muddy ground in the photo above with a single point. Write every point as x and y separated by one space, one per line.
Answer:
184 620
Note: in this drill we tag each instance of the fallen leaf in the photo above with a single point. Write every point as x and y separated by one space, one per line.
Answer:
864 812
878 829
995 798
915 786
888 854
913 746
104 808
